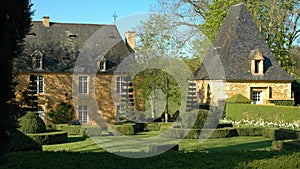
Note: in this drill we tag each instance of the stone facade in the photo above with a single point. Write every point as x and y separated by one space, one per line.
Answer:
210 91
58 88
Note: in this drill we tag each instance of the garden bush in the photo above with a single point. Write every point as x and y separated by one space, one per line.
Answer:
238 99
32 123
62 113
283 102
18 141
278 114
195 119
279 134
70 129
250 131
180 133
290 145
92 131
125 129
55 137
157 126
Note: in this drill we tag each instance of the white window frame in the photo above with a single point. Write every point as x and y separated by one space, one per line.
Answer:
257 97
82 114
41 112
83 87
119 112
40 84
119 86
38 62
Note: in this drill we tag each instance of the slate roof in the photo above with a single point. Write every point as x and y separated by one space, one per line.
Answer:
229 57
62 43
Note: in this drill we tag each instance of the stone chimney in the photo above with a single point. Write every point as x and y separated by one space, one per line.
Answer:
130 39
46 21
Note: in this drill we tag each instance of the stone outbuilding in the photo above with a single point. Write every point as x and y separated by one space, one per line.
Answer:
240 62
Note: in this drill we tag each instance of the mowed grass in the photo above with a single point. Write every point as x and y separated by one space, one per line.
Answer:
142 141
82 152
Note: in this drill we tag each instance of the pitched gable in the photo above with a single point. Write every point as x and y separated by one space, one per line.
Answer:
231 51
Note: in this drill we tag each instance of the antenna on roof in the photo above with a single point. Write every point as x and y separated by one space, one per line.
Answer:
115 17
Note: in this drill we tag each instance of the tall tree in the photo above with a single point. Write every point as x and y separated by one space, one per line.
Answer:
278 20
155 46
15 20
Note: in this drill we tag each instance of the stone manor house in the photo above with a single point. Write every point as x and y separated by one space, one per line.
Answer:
239 58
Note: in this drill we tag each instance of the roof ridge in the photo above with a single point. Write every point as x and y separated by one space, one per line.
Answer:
67 23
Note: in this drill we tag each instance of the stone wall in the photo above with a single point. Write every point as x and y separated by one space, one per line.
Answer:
210 91
58 88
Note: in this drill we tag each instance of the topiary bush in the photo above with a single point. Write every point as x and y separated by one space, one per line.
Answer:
195 120
238 98
63 113
32 123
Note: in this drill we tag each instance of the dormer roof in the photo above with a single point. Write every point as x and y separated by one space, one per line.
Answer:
239 41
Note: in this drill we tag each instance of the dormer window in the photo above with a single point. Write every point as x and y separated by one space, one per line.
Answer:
257 62
101 64
37 60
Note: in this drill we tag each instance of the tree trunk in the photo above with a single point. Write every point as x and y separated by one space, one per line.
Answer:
152 103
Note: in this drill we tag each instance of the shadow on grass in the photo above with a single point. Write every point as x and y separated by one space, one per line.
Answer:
74 139
244 146
171 159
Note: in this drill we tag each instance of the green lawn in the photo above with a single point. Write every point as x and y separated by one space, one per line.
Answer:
80 152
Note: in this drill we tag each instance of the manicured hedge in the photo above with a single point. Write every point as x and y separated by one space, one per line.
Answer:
277 114
250 131
92 131
71 130
18 141
124 129
180 133
291 145
279 134
157 126
283 102
55 137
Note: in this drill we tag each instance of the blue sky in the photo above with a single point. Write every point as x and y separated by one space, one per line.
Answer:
88 11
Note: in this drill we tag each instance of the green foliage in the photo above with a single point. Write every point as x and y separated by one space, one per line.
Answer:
250 131
71 130
125 129
282 102
195 120
15 20
18 141
55 137
180 133
238 98
279 134
63 113
275 114
32 123
92 131
157 126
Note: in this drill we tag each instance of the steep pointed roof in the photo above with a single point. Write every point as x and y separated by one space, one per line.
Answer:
230 56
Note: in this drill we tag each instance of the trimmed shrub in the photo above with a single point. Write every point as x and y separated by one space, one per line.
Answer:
32 123
125 129
92 131
290 145
70 129
164 147
157 126
63 113
238 99
55 137
18 141
279 134
180 133
283 102
195 120
276 114
251 131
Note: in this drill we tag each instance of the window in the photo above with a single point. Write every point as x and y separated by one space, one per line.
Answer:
256 66
38 63
102 66
257 97
120 81
83 84
83 114
39 84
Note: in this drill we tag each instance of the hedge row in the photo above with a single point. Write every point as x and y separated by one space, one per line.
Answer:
78 130
124 129
291 145
276 134
19 141
56 137
263 112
